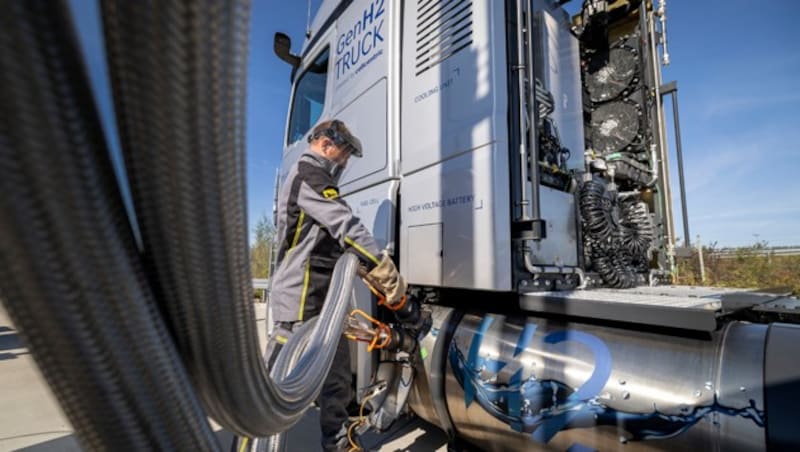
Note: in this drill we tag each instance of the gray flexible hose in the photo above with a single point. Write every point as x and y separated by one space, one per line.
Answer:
308 338
309 351
70 274
304 361
301 359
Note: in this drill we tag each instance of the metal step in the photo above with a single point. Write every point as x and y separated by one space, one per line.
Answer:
685 307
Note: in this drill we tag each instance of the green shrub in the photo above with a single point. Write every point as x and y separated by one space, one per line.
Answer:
750 267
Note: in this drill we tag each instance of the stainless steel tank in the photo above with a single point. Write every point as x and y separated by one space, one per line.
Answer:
537 384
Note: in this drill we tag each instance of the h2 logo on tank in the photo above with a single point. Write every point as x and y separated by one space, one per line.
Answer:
542 408
361 42
519 401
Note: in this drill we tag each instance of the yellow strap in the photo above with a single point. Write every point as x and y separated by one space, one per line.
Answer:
243 446
280 339
297 231
305 290
330 193
361 250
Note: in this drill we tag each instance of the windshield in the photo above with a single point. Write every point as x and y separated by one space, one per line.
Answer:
309 98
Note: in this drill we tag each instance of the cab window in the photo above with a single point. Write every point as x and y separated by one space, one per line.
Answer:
309 98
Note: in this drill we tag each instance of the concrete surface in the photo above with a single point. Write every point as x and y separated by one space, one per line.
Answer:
32 421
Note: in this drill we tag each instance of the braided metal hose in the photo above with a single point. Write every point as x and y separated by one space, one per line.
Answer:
70 274
178 76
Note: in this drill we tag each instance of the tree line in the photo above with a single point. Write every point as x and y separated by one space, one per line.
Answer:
262 247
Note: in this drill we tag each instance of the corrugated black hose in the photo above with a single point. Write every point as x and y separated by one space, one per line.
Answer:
605 235
70 274
178 73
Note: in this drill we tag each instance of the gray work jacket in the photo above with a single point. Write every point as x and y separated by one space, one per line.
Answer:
315 227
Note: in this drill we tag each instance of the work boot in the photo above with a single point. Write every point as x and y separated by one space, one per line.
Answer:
354 411
342 444
339 443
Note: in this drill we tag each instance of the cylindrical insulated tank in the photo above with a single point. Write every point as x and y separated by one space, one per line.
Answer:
538 384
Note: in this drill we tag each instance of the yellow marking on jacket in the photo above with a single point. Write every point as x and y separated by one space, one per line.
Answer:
330 193
361 250
305 290
297 231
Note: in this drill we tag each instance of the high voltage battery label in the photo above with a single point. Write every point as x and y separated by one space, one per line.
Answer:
454 201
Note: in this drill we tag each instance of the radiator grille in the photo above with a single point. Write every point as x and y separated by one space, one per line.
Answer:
444 28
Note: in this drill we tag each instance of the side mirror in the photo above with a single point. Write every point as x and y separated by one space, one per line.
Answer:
282 47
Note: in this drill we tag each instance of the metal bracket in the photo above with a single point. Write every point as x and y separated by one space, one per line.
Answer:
529 230
669 88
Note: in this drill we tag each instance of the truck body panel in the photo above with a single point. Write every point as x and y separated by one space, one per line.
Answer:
515 165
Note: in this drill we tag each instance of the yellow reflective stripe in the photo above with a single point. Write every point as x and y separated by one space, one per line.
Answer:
305 290
361 250
280 339
243 446
297 231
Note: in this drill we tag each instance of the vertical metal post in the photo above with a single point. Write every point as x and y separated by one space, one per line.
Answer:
671 88
273 252
269 319
679 150
662 15
275 197
665 193
522 73
700 259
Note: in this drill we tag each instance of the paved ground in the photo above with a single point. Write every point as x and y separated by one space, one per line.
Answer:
31 421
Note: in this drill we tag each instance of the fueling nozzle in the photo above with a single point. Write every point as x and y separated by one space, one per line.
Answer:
414 318
362 327
378 335
408 311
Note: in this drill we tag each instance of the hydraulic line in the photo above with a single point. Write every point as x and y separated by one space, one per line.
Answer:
620 234
596 210
70 274
536 222
638 233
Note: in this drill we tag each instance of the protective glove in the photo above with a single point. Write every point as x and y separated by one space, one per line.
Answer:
387 280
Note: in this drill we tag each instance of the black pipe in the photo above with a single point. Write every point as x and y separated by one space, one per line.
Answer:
70 274
679 150
538 230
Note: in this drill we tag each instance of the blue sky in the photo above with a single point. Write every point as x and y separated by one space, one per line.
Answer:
738 73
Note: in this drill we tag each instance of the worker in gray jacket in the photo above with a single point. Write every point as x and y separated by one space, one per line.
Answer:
315 226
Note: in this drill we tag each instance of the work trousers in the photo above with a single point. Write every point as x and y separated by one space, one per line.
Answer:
336 390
